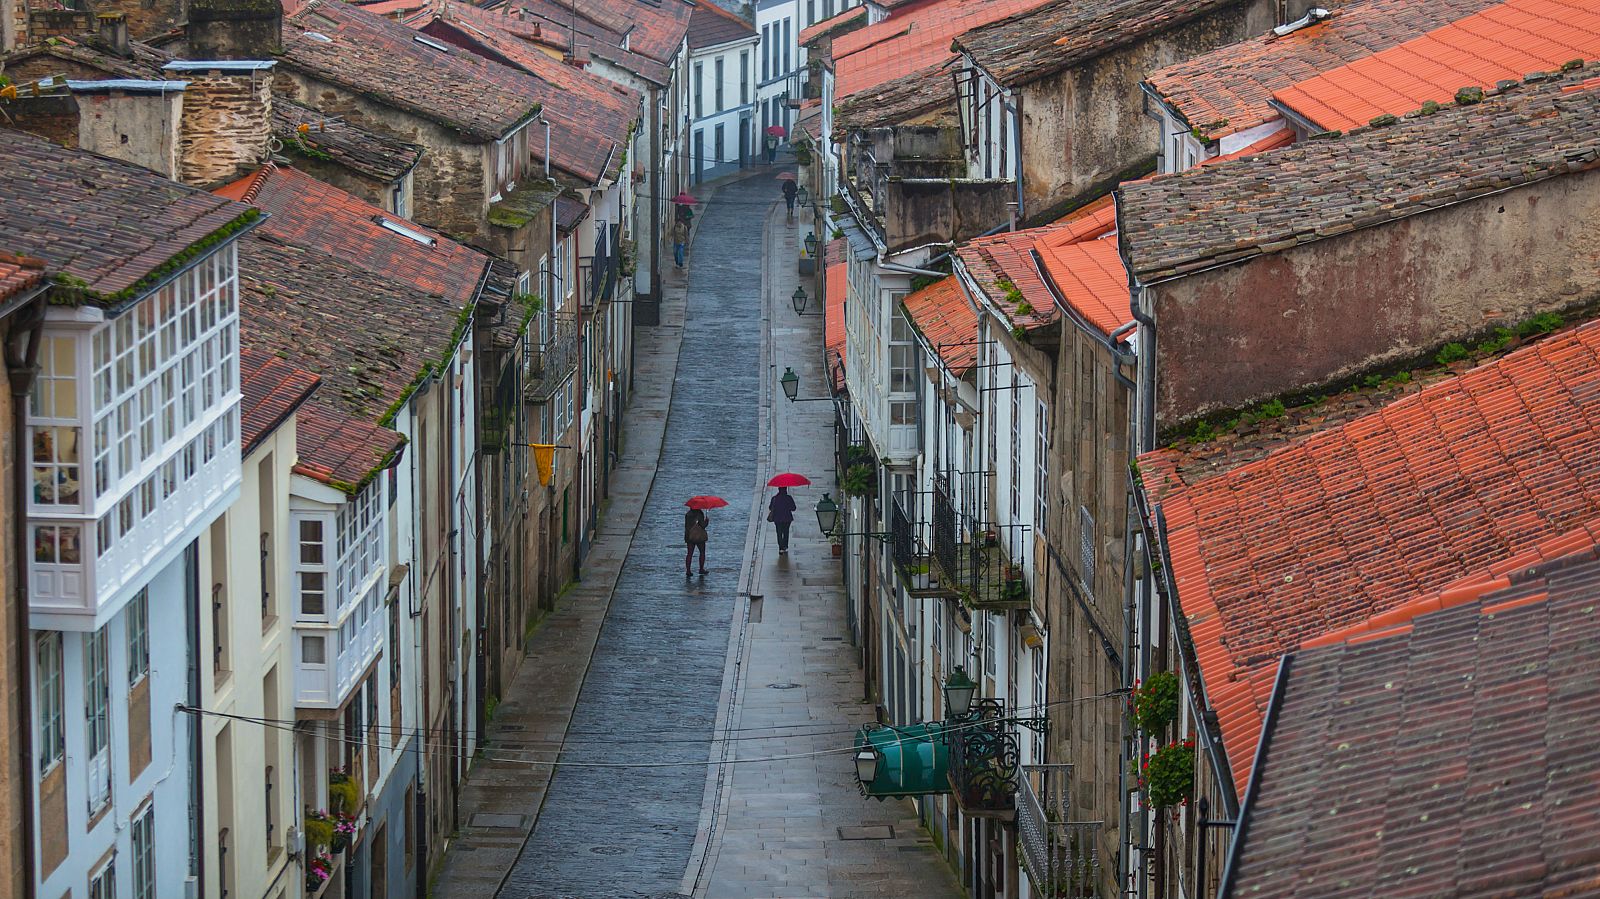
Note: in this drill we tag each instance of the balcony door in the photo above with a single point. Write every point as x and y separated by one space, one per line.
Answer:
97 719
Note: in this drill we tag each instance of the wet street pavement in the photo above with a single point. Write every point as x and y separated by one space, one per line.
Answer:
652 689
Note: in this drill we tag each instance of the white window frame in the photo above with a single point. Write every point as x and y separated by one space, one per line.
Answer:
97 717
136 625
103 883
143 839
49 697
321 568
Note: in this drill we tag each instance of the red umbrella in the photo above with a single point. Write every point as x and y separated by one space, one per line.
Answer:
789 479
684 198
786 176
775 130
706 502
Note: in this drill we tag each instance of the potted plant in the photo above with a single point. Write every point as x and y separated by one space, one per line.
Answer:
319 827
1015 586
1167 777
318 869
1155 702
990 538
343 794
344 830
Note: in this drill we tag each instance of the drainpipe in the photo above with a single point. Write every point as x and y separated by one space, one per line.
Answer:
22 367
1016 131
197 795
655 198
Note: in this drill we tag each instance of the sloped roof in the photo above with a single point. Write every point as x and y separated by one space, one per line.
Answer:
108 223
1452 756
914 96
948 322
1029 45
376 155
911 41
590 116
1218 214
374 56
1505 41
654 28
551 23
327 286
144 61
1091 279
710 25
1009 256
838 20
19 273
1227 90
1351 522
270 390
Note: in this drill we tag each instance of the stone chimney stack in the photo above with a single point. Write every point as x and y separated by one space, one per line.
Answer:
114 33
227 118
235 29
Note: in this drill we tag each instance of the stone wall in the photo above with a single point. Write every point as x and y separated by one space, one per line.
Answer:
449 194
227 122
141 128
1326 312
1085 125
146 18
48 23
54 118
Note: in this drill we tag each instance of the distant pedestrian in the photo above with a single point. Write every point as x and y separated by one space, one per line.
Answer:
695 522
772 149
781 513
789 191
680 240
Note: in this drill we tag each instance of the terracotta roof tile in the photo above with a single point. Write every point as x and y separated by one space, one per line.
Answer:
1505 41
710 25
1091 279
1031 44
270 390
1350 523
1175 224
948 322
569 212
108 223
1447 756
1010 256
19 273
144 62
911 41
1231 85
833 23
551 23
590 116
655 29
376 155
375 56
328 288
921 94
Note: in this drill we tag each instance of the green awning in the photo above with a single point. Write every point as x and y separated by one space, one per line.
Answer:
912 761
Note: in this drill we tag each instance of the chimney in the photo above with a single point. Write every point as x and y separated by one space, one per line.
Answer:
114 33
136 121
227 118
235 29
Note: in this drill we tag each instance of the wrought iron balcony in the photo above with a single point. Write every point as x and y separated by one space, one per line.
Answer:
973 559
552 355
1062 856
984 759
913 561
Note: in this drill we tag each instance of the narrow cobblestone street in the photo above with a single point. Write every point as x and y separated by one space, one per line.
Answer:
642 666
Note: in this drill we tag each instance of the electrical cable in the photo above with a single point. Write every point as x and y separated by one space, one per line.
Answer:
447 748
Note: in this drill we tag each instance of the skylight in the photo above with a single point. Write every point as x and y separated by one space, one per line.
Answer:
430 42
404 231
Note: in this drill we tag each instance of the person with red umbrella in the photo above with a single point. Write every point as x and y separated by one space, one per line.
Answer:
695 523
780 511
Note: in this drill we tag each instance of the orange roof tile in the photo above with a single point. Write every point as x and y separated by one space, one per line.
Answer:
18 273
913 39
835 285
943 316
270 389
1504 41
1226 91
1090 277
1350 523
1009 256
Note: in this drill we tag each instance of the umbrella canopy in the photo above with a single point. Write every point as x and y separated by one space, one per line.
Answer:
789 479
706 502
786 176
684 198
775 130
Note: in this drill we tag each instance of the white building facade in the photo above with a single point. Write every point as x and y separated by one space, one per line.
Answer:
723 136
134 433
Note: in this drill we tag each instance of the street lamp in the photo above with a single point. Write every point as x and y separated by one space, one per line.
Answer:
867 765
802 197
790 382
827 514
811 242
958 690
798 298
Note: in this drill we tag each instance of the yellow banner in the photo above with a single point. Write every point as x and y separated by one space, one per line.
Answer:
544 457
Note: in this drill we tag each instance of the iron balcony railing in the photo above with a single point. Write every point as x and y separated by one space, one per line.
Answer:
977 561
913 561
551 358
1062 856
984 758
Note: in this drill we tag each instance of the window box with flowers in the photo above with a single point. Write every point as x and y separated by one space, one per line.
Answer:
1167 777
1155 702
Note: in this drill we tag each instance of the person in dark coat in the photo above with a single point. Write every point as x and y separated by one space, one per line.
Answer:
781 513
695 522
789 191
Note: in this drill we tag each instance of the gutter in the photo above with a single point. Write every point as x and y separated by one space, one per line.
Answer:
1296 120
22 368
180 271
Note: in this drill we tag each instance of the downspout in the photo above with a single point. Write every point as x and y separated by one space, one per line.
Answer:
655 196
1016 157
197 792
22 368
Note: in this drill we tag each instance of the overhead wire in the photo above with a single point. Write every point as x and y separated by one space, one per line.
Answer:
449 748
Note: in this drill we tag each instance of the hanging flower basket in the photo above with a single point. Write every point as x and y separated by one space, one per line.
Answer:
1155 702
1167 777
